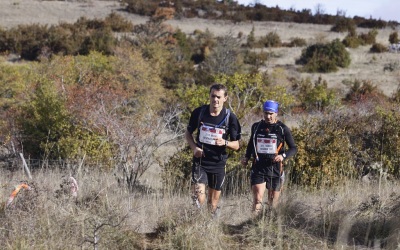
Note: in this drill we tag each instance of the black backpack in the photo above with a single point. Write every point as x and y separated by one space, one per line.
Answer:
225 121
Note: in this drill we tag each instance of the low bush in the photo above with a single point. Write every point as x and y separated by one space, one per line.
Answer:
394 37
333 148
378 48
117 23
272 39
362 90
344 25
297 42
315 96
352 41
324 58
368 38
256 58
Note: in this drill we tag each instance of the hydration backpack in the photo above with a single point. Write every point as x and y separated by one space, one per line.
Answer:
225 121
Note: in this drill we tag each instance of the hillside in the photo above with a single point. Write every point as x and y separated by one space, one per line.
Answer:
97 130
364 66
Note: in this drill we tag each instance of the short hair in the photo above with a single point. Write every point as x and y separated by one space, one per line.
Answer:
218 86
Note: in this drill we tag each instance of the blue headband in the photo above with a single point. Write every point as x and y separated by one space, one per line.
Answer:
271 106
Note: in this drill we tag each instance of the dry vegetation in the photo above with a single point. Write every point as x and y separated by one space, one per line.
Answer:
364 66
360 214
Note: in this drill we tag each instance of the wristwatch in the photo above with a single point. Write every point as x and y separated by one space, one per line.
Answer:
226 143
284 156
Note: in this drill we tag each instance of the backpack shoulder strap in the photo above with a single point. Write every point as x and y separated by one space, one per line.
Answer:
228 114
203 109
281 128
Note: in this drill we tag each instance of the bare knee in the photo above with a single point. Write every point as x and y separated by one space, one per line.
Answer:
199 193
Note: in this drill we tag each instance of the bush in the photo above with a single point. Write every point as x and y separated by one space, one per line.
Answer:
394 37
344 25
324 155
101 40
251 39
325 58
176 172
255 58
141 7
27 40
332 148
351 41
117 23
32 42
315 96
272 39
368 38
297 42
362 91
378 48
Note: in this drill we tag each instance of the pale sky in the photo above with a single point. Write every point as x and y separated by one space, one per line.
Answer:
379 9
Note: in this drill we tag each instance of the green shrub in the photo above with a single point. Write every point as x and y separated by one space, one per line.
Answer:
394 37
176 172
315 96
256 58
325 58
297 42
333 148
324 156
251 39
272 39
65 39
117 23
51 132
101 40
141 7
378 48
384 146
344 25
361 91
352 41
368 38
34 41
28 40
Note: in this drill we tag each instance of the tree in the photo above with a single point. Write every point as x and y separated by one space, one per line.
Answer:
224 59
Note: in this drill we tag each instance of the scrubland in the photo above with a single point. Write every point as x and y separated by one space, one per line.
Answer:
361 212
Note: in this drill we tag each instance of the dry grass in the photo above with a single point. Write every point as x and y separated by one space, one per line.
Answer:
354 216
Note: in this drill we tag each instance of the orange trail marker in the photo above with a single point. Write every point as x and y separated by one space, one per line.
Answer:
16 191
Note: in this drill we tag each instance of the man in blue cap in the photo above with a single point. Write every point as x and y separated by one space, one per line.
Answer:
271 143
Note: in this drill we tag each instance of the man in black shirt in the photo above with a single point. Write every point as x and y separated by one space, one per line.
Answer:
217 130
267 148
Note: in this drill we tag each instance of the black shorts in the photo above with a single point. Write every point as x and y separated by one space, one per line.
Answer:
214 179
273 183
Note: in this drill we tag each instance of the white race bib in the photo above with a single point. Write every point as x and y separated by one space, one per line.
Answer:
208 134
266 145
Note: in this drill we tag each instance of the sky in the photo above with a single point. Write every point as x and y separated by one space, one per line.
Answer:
388 10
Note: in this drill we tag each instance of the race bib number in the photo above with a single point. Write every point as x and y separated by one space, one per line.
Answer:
266 145
209 134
